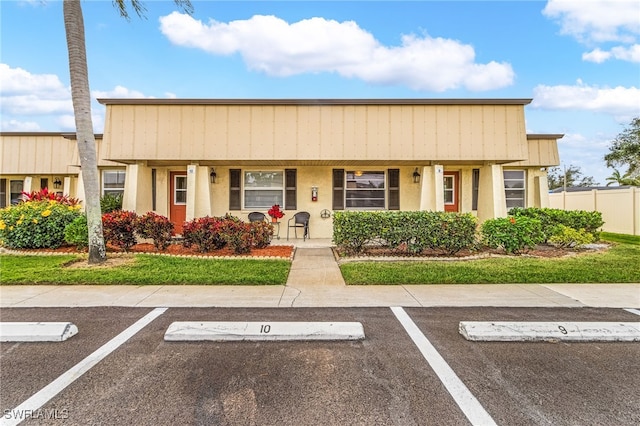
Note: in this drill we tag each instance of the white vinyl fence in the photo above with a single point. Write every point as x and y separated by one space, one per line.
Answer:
620 208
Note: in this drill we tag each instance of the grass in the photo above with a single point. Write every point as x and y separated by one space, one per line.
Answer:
619 264
143 270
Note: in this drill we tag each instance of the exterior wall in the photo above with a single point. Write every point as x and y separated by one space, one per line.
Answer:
620 208
325 134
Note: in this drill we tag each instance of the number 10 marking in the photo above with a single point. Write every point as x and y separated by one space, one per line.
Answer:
264 329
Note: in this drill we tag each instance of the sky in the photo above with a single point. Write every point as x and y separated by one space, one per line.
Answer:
579 60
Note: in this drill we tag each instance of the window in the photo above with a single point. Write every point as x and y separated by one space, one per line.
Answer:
475 185
179 190
16 188
263 189
514 188
113 182
3 193
449 190
365 190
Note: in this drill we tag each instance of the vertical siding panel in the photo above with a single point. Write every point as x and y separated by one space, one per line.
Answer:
287 131
197 129
488 129
473 134
350 133
239 140
419 129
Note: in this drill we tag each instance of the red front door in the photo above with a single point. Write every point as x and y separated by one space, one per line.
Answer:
178 200
451 191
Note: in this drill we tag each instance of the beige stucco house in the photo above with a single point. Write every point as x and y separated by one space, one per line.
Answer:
187 158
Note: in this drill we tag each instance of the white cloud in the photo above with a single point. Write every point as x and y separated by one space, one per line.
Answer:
621 102
273 46
24 93
597 20
118 92
19 126
630 54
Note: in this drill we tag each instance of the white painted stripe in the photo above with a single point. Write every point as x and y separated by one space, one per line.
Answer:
234 331
36 331
522 331
633 311
468 403
17 415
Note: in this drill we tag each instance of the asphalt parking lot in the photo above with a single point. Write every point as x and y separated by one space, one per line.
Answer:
382 380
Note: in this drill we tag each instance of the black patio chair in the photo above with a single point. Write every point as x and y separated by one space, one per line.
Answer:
300 220
257 217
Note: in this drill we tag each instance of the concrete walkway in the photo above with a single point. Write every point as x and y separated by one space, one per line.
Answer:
315 281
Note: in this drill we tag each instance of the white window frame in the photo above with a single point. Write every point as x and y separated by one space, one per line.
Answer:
113 190
452 190
247 188
348 190
177 190
523 189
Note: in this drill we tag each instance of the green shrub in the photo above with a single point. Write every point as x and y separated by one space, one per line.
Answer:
36 224
565 236
119 228
514 235
413 231
110 203
156 227
76 233
590 221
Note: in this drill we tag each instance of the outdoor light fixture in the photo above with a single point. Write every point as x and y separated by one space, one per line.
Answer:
57 183
416 176
213 176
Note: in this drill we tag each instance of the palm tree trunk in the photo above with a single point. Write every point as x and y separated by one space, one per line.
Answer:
81 97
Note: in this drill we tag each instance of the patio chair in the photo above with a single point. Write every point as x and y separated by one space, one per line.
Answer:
257 217
300 220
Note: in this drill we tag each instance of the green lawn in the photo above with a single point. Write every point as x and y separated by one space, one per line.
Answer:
144 270
619 264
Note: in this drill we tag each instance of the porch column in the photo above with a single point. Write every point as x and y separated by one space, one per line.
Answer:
198 192
541 186
66 185
432 190
137 189
80 191
491 198
27 184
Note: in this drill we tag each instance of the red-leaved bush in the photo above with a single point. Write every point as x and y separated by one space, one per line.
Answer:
206 232
45 195
156 227
119 228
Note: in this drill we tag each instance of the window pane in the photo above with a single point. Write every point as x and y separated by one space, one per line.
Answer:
257 179
181 183
514 174
113 178
15 186
365 179
255 199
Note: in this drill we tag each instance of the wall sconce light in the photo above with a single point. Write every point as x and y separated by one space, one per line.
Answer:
57 183
213 175
416 176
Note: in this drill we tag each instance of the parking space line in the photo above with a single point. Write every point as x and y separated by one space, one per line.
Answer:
633 311
470 406
17 415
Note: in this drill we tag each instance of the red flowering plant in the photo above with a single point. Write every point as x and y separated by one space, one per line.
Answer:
275 212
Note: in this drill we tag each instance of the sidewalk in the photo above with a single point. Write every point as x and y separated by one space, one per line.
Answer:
315 281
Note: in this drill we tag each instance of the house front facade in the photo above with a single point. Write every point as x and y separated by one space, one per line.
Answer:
189 158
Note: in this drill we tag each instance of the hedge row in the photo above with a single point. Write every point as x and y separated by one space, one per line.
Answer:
414 230
448 233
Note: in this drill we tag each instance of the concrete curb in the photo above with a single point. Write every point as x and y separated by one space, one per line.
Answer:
480 331
263 331
36 331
